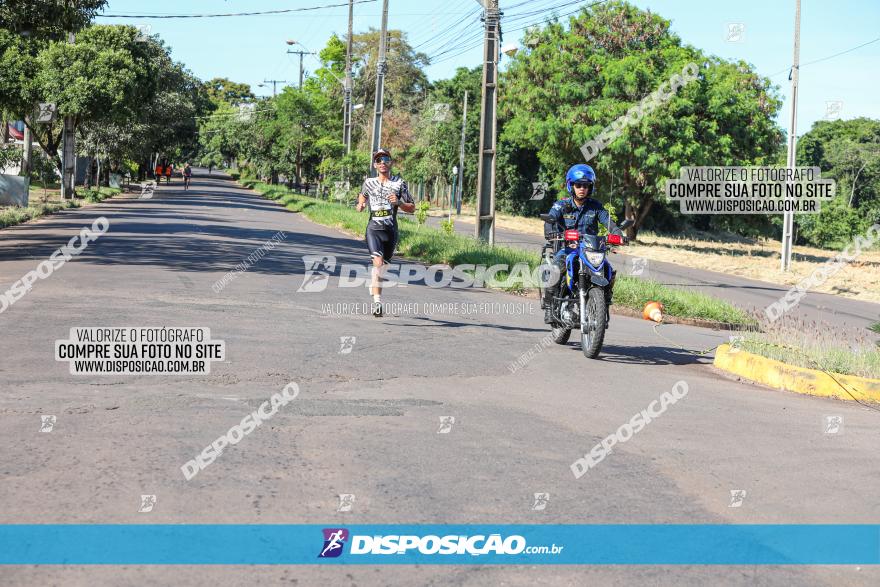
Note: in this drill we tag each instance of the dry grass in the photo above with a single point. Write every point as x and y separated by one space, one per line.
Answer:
40 195
735 255
815 345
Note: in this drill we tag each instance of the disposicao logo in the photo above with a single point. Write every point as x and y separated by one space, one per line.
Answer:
334 540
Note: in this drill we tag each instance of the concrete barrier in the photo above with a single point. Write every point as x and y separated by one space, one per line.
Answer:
14 190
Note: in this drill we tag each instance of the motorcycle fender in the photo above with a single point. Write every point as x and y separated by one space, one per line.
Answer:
599 280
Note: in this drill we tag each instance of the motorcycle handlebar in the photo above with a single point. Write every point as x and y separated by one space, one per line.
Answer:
557 236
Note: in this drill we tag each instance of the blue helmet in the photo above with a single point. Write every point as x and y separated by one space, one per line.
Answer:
580 172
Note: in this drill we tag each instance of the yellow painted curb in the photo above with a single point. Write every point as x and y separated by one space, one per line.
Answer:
797 379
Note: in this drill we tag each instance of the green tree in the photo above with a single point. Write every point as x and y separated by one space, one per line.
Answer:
221 89
849 152
47 19
435 149
578 80
406 85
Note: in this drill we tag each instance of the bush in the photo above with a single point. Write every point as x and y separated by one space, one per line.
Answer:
422 211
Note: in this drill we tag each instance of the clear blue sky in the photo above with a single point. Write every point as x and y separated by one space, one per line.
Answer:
252 48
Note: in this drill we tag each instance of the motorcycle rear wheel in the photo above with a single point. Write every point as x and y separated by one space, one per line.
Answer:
593 323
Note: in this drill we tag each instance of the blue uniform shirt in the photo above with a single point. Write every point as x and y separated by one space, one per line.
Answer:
566 215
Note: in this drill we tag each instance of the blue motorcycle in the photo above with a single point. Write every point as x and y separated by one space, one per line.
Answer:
579 297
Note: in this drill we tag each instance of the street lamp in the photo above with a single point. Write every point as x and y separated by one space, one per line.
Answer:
510 49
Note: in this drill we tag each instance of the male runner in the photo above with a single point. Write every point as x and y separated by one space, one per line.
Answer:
187 175
384 194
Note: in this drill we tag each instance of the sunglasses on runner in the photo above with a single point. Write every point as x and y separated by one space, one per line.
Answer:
384 159
582 184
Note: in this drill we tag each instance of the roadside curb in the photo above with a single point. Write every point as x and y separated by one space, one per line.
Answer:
786 377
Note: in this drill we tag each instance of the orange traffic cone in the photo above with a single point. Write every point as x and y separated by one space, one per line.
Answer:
653 311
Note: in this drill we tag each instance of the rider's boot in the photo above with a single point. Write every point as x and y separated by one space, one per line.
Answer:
550 291
609 298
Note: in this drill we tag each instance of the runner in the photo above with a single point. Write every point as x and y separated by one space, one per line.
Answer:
168 170
187 175
384 194
159 171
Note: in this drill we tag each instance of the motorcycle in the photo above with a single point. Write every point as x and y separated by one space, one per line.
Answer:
581 299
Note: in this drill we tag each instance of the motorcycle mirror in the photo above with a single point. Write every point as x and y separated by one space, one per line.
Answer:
545 217
625 224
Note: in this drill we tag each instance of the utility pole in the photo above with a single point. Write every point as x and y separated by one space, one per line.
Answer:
275 83
346 114
68 150
461 157
380 84
485 225
27 153
788 217
300 53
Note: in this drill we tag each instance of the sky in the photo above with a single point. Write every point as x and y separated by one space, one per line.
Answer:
252 49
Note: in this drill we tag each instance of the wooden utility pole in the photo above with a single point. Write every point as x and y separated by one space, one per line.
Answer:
485 225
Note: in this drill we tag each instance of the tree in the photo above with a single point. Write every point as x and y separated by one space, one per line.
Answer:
405 81
578 80
435 148
221 89
103 78
848 151
47 19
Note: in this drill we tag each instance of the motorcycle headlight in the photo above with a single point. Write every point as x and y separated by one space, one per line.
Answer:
595 258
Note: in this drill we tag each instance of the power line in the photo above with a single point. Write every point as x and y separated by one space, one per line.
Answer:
828 57
446 20
265 12
456 22
455 48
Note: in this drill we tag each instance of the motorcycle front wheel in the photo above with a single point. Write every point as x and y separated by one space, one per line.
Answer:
593 322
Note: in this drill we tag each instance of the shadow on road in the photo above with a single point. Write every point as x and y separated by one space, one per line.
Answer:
648 355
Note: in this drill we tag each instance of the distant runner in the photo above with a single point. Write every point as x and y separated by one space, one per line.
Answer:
187 175
168 170
384 194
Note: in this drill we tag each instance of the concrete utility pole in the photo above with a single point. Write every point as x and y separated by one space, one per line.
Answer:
68 150
461 156
28 151
788 217
485 225
380 85
275 83
346 114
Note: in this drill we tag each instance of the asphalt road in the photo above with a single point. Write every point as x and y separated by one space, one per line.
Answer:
750 294
366 422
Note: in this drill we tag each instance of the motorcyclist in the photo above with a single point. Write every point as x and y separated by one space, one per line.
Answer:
580 212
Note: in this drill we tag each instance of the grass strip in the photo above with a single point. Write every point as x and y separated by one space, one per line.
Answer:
17 215
818 348
432 246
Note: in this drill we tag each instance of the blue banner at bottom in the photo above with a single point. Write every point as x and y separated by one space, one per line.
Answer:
229 544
